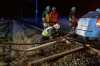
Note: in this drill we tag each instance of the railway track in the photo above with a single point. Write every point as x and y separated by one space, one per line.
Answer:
61 53
54 53
69 48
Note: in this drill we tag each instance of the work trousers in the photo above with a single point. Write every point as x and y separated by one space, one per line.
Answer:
47 24
72 28
41 38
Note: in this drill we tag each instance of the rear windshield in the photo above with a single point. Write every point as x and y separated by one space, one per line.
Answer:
91 15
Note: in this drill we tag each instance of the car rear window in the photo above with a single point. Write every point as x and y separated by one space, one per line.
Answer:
91 15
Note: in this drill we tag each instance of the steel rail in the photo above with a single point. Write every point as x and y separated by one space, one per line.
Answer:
7 43
94 48
56 55
31 49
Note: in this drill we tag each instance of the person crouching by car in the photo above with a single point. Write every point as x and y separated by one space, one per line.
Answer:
49 33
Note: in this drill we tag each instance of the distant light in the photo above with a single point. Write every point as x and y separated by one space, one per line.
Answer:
31 0
36 11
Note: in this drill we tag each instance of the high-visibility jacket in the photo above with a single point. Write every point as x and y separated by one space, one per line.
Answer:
46 16
54 17
72 17
48 32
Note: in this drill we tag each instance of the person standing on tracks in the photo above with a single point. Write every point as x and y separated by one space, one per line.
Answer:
72 19
54 16
46 17
49 33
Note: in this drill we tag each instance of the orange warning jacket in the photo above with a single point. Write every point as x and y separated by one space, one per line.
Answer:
54 17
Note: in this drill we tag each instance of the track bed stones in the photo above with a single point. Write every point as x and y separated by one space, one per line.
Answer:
54 49
80 58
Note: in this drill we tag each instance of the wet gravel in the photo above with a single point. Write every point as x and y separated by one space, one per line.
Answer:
80 58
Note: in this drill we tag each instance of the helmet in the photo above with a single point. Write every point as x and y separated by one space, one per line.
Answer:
98 10
48 7
53 8
57 26
73 8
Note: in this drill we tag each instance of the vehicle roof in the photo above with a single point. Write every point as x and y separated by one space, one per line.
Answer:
91 15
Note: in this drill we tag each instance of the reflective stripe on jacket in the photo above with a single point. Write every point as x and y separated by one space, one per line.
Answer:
46 17
54 17
45 31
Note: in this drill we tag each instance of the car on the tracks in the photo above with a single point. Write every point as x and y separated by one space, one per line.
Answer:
89 25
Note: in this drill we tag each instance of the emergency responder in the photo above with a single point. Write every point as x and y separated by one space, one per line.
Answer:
72 20
54 16
46 17
49 33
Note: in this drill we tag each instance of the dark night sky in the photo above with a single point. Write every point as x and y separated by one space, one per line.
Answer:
12 7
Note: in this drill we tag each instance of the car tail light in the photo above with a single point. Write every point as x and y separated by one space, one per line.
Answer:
98 22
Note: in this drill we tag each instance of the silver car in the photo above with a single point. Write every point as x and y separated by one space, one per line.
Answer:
89 25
